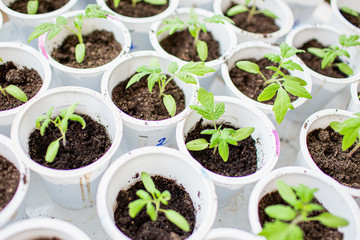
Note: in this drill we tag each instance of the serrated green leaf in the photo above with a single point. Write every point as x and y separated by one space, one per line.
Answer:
281 231
236 10
345 69
224 150
177 219
296 89
269 14
208 131
280 212
202 50
196 68
349 139
171 25
148 182
337 126
288 51
290 65
273 57
197 145
150 210
219 110
166 195
313 207
305 193
40 30
271 68
242 133
248 66
202 111
32 6
281 105
16 92
135 78
328 59
61 20
218 19
170 104
215 139
80 52
152 79
268 92
38 121
294 79
206 99
143 194
136 206
173 67
317 52
331 220
52 151
54 32
186 77
44 126
286 192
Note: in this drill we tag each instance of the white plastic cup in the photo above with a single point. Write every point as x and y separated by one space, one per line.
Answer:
230 234
221 32
84 77
168 163
279 7
334 199
354 104
138 132
75 188
203 4
303 10
15 208
340 21
238 114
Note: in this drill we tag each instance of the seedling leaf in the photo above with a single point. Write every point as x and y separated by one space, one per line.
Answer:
52 151
170 104
178 220
248 66
136 206
148 182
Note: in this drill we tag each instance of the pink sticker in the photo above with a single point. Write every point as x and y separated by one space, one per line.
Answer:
42 46
277 139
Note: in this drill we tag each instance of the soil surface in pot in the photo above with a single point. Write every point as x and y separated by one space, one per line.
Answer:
242 159
45 6
83 146
138 102
9 181
312 230
181 45
141 10
253 84
353 20
28 80
259 23
101 48
324 146
314 62
141 227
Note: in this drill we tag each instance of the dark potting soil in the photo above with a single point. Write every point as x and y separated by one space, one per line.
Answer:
101 48
312 230
45 6
181 45
314 62
9 181
141 227
28 80
242 159
253 84
353 20
141 10
324 146
83 146
259 23
138 102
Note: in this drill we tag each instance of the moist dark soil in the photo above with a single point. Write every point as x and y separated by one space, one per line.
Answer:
181 45
45 6
314 62
324 146
9 181
353 20
242 159
138 102
141 227
259 23
312 230
28 80
101 48
253 84
83 146
141 10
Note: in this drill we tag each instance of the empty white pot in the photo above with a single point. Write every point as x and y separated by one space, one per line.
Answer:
340 20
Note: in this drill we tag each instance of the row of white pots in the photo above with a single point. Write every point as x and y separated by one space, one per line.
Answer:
340 20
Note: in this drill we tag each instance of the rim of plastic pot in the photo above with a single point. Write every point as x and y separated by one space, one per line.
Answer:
272 48
230 234
37 56
232 182
335 9
122 162
308 126
84 71
72 173
34 226
148 123
355 88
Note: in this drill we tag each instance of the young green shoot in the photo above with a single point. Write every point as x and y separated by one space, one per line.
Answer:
152 198
329 54
134 2
252 10
32 6
350 129
352 12
91 11
285 226
61 122
195 26
155 75
279 84
220 138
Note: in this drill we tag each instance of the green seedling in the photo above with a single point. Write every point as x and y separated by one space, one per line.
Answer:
61 122
155 75
329 54
32 6
220 138
279 83
195 26
91 11
134 2
352 12
152 198
252 10
299 198
350 129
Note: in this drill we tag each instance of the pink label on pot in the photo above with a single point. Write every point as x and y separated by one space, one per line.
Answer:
277 140
42 46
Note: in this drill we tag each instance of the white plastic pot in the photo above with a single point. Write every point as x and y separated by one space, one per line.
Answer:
23 56
221 33
168 163
333 198
84 77
324 88
203 4
321 119
138 132
340 20
303 10
42 228
15 207
239 114
139 27
74 188
354 104
230 234
257 50
279 7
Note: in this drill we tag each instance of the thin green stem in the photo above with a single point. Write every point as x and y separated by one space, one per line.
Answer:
3 91
163 85
197 37
133 3
251 12
354 150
